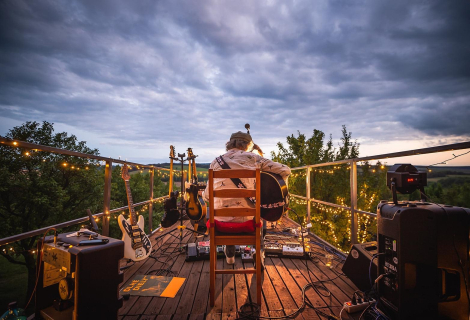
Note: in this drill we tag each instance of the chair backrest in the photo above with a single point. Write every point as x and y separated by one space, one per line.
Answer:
235 193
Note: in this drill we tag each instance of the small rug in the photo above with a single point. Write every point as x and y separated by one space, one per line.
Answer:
153 286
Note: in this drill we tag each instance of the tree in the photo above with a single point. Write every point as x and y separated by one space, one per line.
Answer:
41 188
331 183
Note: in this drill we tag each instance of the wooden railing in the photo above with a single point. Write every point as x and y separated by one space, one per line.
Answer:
353 180
107 211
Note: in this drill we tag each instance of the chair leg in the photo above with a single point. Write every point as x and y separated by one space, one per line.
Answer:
212 266
258 275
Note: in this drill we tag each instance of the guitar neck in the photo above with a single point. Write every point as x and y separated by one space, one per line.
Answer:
170 189
130 203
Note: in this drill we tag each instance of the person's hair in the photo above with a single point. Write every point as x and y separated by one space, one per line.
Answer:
238 144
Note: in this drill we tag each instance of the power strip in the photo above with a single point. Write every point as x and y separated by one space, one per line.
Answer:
351 308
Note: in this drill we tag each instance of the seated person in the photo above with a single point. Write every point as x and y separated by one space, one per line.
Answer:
240 155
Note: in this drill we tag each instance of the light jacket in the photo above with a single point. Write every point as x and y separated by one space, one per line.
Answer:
238 159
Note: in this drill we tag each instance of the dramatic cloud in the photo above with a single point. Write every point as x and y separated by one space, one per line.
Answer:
139 76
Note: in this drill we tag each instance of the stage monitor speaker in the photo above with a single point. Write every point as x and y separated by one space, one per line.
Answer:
424 257
357 265
79 282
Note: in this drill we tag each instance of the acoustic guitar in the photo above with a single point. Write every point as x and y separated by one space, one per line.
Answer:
196 208
274 194
137 245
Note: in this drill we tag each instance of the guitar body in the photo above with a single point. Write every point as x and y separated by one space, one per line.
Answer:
196 208
132 236
273 196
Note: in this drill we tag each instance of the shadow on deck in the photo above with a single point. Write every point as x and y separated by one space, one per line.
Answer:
283 281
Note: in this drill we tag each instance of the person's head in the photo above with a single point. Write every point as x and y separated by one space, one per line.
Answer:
240 140
243 141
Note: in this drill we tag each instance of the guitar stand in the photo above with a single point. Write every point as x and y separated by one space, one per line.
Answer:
181 208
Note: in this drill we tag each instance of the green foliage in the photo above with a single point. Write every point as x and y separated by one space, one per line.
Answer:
37 190
453 191
140 189
331 184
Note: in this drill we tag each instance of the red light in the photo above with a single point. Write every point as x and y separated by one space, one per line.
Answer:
410 180
348 303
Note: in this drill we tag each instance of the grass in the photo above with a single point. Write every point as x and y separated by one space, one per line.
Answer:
13 284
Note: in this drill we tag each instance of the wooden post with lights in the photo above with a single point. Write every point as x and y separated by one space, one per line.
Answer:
353 187
151 200
107 197
307 185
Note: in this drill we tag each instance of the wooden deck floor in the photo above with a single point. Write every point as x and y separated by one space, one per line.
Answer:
283 280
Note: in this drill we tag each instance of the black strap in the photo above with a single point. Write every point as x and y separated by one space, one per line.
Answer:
236 181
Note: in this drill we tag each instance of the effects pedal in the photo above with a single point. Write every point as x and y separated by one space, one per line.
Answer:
273 249
247 254
293 249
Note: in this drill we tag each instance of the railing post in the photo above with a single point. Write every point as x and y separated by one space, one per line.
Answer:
151 202
353 188
107 196
307 185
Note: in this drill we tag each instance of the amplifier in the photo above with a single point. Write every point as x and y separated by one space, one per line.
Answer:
424 257
79 282
357 265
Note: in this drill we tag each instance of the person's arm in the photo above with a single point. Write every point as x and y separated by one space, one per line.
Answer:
205 193
274 167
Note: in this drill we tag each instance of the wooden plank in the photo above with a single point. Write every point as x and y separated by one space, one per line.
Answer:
148 317
196 317
171 304
281 290
234 193
234 173
241 289
311 295
163 317
202 291
136 304
293 288
229 303
156 304
189 293
271 306
337 295
234 212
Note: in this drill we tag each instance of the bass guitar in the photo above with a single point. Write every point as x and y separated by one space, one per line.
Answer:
196 208
137 245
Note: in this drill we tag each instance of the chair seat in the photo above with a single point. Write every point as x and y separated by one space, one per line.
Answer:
233 227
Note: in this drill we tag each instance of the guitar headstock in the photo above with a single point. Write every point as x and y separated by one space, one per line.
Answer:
190 153
125 173
172 151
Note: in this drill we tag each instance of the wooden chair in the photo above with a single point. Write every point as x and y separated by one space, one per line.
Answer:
217 238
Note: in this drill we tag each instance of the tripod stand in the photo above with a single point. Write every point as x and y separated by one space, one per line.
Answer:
182 204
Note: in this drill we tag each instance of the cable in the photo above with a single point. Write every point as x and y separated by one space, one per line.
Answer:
38 267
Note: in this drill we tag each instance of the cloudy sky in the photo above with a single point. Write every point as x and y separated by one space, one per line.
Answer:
133 77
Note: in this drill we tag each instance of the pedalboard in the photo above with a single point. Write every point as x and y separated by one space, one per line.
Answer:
351 308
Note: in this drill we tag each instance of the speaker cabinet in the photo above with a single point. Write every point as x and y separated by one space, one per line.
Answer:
90 279
357 265
424 257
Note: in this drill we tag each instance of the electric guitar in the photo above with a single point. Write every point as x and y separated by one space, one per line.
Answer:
171 215
137 245
196 208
